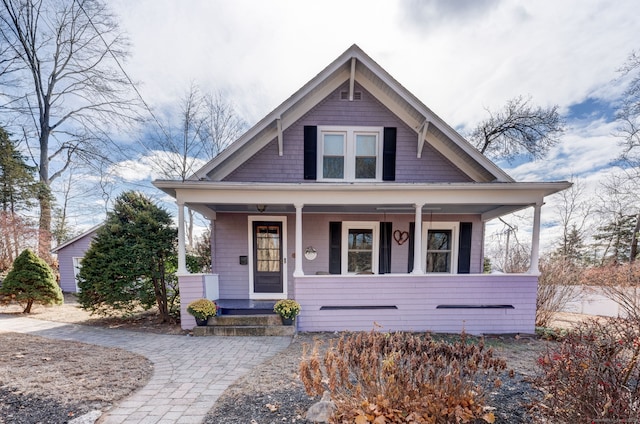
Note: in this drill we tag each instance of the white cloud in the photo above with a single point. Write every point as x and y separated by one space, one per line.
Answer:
586 147
153 165
457 57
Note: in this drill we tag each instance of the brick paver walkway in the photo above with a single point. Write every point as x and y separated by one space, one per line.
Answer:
189 374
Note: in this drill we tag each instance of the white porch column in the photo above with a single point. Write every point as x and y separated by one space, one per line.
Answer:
182 251
298 272
417 244
535 240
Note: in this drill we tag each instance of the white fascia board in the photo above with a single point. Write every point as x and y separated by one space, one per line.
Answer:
337 66
429 115
76 238
362 194
417 125
231 162
331 77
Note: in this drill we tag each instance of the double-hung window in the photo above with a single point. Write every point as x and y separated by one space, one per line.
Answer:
360 247
350 153
441 246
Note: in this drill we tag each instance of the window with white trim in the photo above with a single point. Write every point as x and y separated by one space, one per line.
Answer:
350 153
360 247
440 247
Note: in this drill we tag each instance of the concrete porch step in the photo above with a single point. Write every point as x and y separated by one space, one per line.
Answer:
246 330
245 325
245 320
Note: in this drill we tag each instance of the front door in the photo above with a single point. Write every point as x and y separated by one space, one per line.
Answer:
267 257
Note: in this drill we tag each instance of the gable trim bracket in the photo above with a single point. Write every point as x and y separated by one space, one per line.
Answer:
280 138
352 78
422 134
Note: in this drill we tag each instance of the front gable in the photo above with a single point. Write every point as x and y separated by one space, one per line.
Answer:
336 111
354 90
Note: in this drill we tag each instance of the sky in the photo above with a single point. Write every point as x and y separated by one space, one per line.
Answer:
460 58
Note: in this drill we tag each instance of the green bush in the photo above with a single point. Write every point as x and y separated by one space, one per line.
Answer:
31 281
130 261
403 378
593 375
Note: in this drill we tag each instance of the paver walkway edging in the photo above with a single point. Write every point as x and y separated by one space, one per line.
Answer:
189 375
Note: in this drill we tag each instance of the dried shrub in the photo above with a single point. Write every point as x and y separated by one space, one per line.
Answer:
620 283
612 275
593 375
555 288
403 378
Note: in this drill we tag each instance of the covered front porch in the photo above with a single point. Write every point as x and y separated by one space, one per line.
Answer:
401 298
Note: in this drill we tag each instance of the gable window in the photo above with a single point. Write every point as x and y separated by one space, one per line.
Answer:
349 153
360 247
441 246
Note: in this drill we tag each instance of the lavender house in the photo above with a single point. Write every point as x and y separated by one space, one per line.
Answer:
70 254
355 199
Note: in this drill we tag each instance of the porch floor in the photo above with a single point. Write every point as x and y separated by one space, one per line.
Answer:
245 307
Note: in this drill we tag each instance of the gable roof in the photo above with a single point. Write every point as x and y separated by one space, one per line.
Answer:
356 66
76 238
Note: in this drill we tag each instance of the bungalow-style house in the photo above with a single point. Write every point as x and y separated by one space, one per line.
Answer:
358 201
70 254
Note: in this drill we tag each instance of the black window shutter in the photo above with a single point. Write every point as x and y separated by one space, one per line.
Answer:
384 262
464 251
412 231
335 247
389 155
310 152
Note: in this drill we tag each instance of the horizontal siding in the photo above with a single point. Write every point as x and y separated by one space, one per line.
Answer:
315 232
268 166
65 261
191 288
416 299
230 241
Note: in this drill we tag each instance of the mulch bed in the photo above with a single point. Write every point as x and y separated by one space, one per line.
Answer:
272 393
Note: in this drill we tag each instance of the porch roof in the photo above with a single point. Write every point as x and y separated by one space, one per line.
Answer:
489 200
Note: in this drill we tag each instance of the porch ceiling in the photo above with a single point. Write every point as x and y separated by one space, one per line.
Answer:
490 200
490 211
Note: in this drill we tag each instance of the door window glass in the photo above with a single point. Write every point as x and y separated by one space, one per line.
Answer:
268 248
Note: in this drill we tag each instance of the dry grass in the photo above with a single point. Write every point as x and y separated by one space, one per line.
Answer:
66 377
69 371
71 312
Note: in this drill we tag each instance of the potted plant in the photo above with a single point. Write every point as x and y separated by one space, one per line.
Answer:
288 309
202 310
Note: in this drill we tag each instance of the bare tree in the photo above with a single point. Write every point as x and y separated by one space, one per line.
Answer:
573 212
70 85
619 210
178 143
518 129
222 124
629 129
629 112
205 125
507 252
